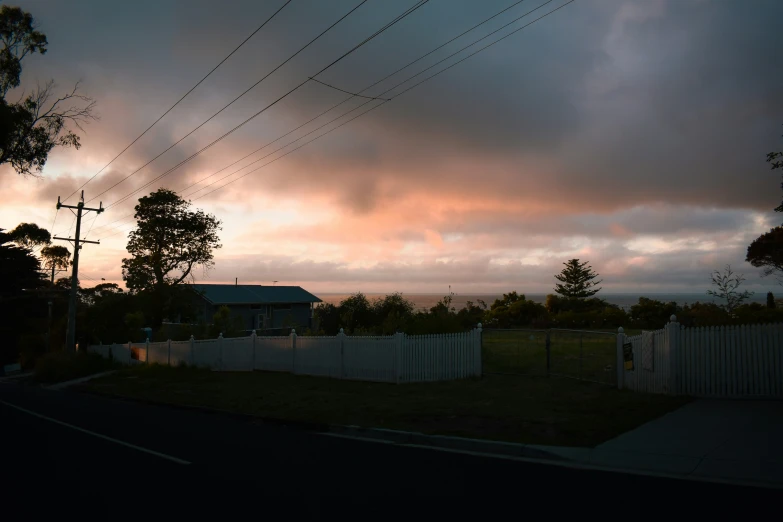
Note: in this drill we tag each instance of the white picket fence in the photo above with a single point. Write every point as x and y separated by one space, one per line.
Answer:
723 361
396 358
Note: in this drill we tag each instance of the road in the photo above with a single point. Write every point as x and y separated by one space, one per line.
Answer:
122 453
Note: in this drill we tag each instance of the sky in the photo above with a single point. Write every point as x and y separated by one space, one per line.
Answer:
630 134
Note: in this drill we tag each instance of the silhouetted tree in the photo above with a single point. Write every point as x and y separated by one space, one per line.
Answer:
770 300
169 241
577 280
33 126
20 269
30 235
766 251
55 257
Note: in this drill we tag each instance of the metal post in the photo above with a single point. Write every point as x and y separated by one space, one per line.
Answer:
293 350
581 355
147 357
253 347
548 354
620 359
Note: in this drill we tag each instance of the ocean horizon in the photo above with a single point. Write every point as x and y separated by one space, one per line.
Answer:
623 300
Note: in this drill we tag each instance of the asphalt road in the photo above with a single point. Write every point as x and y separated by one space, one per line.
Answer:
115 454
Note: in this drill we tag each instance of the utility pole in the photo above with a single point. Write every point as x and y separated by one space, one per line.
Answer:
70 338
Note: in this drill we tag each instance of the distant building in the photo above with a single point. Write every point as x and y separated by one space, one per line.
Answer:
260 307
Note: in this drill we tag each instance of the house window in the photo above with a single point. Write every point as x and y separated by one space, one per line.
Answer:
255 307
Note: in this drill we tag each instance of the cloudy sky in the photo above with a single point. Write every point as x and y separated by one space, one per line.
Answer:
630 133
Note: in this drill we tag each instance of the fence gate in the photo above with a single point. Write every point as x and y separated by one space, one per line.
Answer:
579 354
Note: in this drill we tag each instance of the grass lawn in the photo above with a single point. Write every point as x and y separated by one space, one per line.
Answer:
589 355
536 410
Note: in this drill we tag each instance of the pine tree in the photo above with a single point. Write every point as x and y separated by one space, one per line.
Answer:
577 280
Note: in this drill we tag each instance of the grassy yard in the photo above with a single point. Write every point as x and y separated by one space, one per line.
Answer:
536 410
589 355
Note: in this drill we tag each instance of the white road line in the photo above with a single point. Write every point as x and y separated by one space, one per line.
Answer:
94 434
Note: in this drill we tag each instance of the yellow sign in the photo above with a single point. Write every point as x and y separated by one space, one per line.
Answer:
628 356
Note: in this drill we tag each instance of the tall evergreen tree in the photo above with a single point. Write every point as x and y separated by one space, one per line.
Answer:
577 280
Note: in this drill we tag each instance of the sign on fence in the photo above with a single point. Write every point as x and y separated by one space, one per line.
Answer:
628 356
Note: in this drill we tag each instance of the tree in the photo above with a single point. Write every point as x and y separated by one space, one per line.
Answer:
20 269
726 288
772 159
770 300
766 252
169 241
577 280
30 235
31 127
55 257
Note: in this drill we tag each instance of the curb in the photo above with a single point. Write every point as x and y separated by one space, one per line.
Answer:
61 385
445 441
358 432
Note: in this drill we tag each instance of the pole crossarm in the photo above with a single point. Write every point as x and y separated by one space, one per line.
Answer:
71 239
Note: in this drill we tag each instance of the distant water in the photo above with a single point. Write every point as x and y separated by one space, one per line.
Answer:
427 301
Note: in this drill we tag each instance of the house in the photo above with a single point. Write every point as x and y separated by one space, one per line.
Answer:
260 307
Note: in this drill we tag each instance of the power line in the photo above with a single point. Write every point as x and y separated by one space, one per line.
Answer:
182 98
362 105
338 104
232 102
407 80
366 40
399 94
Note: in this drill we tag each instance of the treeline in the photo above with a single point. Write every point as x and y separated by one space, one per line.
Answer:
357 315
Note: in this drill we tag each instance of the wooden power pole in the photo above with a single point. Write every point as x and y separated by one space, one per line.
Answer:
70 338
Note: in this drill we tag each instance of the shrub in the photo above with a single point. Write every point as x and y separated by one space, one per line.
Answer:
31 348
650 313
64 366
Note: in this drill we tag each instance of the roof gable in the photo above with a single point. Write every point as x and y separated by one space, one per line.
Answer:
254 294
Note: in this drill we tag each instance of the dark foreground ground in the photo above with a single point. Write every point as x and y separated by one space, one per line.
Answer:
150 459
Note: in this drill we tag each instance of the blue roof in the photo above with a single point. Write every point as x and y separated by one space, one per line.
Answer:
254 294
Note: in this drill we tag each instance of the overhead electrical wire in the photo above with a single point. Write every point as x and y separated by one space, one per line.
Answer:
402 92
227 106
180 100
340 103
407 12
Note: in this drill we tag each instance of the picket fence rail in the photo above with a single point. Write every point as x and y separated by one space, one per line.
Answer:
395 358
744 361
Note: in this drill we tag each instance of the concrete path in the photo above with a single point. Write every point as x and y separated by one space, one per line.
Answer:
717 439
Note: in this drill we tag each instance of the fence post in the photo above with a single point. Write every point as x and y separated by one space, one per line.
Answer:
220 351
253 347
192 350
620 363
147 343
293 350
168 363
341 335
674 352
477 351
